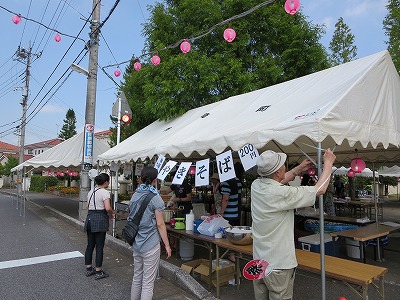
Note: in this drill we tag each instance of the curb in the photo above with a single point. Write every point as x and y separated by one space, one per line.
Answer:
168 271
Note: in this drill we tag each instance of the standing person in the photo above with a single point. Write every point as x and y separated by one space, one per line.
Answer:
146 247
231 191
96 224
272 208
183 195
216 189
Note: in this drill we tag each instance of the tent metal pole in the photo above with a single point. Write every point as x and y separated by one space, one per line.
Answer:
321 226
378 246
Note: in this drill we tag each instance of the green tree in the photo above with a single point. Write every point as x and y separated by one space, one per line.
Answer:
69 128
271 46
6 168
342 44
391 25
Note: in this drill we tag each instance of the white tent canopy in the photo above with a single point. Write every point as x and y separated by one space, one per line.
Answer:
392 171
352 106
67 154
367 172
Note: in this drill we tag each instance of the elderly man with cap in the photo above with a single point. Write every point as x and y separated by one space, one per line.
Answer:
272 208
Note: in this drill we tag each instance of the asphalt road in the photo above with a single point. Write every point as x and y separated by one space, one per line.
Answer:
34 232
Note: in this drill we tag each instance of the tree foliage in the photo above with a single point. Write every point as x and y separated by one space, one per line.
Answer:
271 46
391 25
342 44
6 168
68 130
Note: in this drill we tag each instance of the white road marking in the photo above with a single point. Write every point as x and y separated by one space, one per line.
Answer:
39 259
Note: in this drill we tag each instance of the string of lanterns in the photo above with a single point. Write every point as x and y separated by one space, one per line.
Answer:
291 7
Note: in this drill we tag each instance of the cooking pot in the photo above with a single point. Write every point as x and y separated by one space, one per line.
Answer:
172 212
179 224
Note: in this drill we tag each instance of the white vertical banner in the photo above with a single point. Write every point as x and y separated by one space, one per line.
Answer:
248 156
127 169
202 172
181 172
225 167
138 169
167 168
159 162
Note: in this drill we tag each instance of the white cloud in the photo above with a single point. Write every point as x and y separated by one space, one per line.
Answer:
356 8
50 108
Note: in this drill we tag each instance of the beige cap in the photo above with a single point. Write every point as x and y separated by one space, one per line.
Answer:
269 162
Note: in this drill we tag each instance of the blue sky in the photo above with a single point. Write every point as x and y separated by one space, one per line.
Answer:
122 34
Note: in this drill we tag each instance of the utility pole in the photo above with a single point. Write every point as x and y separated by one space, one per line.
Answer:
24 56
87 162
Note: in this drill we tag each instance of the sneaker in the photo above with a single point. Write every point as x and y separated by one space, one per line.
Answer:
90 272
101 274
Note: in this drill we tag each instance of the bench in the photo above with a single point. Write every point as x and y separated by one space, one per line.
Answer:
357 276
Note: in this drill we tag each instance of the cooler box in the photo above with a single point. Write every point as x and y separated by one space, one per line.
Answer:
312 243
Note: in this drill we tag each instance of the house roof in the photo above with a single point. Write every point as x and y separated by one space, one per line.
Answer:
44 144
8 147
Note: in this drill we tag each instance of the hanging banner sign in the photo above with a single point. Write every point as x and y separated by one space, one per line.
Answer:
88 147
159 162
202 172
127 169
225 167
138 169
114 167
181 172
167 168
248 156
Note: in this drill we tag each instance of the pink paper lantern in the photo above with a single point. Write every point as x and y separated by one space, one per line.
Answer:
311 172
351 173
155 60
185 47
229 35
117 73
57 38
398 179
357 165
137 66
62 174
16 19
292 6
192 170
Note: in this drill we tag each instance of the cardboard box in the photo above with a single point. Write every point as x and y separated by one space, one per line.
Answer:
189 266
312 243
226 272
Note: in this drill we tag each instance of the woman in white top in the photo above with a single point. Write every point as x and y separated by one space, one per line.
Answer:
96 224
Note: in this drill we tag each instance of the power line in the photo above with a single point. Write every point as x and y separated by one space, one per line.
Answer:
52 29
22 35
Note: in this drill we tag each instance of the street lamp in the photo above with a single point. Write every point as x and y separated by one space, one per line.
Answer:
79 69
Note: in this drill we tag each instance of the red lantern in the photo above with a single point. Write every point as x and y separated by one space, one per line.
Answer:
351 173
185 47
311 171
117 73
16 19
229 35
57 38
192 170
137 66
62 174
398 179
292 6
357 165
155 60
